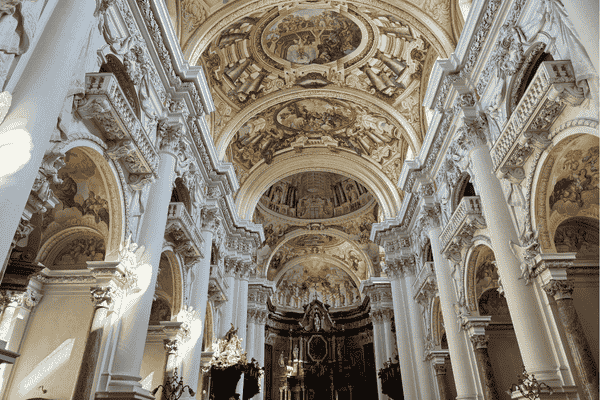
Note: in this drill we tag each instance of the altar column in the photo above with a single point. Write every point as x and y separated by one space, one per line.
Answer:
192 353
475 326
36 103
457 344
127 361
438 363
534 344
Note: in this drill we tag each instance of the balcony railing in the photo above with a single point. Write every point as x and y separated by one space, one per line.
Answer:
183 230
106 106
467 218
551 89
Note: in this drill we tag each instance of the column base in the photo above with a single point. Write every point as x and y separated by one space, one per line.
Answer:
125 395
564 393
124 387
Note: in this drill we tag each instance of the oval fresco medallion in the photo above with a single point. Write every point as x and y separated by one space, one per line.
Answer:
311 36
315 115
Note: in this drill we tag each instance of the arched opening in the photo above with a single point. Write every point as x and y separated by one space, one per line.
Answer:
464 189
181 194
485 298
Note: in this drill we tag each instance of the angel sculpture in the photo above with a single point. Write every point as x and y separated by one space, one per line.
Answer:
526 254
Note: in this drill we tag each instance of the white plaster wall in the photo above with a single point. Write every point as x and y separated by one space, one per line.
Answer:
52 347
154 363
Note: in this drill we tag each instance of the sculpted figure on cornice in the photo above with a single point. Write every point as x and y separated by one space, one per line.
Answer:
552 21
18 23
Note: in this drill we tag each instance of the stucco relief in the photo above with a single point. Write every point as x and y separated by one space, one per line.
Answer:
326 122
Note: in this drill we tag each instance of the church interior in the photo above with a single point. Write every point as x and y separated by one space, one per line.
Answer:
299 200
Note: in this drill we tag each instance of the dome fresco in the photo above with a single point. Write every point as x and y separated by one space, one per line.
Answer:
315 195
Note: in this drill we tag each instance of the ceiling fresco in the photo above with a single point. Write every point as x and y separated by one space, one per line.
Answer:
317 46
316 279
318 122
311 36
347 77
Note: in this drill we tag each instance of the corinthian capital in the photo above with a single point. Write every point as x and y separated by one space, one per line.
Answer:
429 218
210 219
169 137
102 296
559 289
472 134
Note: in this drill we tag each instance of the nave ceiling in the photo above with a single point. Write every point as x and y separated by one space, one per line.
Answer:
334 88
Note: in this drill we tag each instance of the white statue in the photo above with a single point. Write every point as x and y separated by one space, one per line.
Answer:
18 19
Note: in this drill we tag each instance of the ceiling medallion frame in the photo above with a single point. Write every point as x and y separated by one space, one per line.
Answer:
358 57
405 10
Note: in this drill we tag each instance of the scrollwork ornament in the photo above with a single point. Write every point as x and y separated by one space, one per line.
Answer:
559 289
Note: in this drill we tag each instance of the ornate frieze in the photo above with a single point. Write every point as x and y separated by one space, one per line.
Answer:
107 107
553 88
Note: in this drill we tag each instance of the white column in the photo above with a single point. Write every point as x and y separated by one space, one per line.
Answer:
390 347
227 314
250 350
36 103
379 351
242 316
134 321
528 323
405 355
199 298
457 345
422 371
259 346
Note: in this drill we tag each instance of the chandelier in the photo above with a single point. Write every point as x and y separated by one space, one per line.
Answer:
173 388
529 386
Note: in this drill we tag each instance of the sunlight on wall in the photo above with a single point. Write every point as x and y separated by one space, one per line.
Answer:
48 365
147 381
